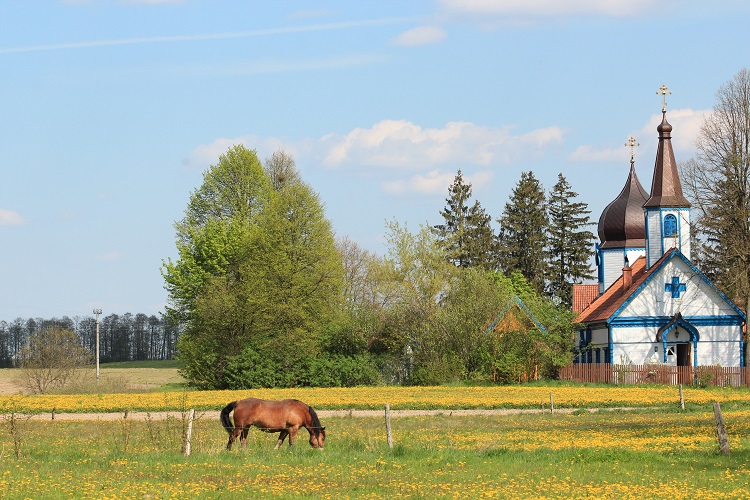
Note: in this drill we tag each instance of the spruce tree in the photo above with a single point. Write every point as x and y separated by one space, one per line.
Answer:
466 235
522 238
569 247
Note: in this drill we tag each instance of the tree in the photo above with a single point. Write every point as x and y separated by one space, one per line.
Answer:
258 270
718 181
50 359
570 244
522 237
466 235
282 170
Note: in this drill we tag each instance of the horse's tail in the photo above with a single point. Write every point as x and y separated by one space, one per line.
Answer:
224 417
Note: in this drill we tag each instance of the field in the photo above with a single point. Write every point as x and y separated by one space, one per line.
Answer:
654 451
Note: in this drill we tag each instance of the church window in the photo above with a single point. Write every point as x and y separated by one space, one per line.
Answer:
670 225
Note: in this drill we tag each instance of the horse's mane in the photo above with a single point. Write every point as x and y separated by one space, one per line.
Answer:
315 420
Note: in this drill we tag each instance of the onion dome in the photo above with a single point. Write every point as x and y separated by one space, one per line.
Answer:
622 224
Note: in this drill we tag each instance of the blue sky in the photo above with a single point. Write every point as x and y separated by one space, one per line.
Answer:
112 110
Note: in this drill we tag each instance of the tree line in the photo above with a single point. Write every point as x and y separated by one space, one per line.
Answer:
267 296
125 337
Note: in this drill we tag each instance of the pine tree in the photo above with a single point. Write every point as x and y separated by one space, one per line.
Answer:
522 237
466 235
569 248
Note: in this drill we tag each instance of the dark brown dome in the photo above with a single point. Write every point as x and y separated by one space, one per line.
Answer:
622 224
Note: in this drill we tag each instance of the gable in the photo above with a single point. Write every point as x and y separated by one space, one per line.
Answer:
647 296
676 286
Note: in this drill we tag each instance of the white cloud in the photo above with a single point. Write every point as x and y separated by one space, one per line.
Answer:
403 144
289 30
205 155
549 8
10 218
434 182
422 35
686 124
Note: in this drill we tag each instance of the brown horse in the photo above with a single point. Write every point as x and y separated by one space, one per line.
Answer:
284 417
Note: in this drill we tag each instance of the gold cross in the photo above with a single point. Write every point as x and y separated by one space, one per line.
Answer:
632 144
663 90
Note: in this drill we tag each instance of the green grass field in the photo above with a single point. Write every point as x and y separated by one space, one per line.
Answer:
660 453
615 455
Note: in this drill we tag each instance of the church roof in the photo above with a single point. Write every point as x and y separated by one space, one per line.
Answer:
616 296
601 309
622 224
666 190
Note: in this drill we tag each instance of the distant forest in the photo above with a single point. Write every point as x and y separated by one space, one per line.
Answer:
126 337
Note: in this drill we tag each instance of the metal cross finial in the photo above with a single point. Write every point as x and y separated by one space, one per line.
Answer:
663 90
632 144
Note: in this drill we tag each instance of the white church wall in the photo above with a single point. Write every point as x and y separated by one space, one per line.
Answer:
699 299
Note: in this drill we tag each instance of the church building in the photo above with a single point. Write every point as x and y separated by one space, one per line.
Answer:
651 303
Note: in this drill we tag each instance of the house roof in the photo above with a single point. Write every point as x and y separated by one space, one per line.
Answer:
583 295
610 302
615 296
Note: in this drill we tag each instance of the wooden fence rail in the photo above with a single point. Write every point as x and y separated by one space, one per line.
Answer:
657 374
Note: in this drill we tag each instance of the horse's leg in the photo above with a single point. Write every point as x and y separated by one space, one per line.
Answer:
282 436
243 437
232 436
292 435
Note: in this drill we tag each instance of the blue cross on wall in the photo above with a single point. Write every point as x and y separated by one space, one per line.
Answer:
675 287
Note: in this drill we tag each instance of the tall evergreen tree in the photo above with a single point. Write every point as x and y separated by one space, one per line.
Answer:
466 235
569 247
522 238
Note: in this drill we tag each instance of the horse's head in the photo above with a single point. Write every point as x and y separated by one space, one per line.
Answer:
318 437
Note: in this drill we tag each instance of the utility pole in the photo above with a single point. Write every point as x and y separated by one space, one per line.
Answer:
97 312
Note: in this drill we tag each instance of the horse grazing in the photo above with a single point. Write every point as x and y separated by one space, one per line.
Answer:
284 417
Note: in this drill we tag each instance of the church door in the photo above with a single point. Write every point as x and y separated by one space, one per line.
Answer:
683 354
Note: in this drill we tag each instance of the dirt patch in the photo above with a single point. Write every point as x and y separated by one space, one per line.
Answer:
110 380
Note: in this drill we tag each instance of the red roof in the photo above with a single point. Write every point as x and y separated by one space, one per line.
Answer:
615 296
583 295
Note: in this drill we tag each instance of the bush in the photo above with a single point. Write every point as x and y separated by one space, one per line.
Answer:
252 370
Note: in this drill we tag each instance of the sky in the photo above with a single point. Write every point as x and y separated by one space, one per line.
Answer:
111 111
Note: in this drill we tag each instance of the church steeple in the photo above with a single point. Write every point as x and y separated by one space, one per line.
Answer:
667 211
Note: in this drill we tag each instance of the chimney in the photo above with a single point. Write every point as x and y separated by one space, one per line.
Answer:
627 277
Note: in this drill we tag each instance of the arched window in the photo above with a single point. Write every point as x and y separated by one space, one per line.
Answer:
670 225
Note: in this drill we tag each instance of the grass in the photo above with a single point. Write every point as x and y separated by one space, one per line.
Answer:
642 454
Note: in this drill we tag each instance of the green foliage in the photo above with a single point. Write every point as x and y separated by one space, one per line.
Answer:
570 244
466 235
258 268
253 369
522 236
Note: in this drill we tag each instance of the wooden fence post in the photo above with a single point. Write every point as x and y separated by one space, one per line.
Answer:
388 425
682 399
189 432
721 430
551 403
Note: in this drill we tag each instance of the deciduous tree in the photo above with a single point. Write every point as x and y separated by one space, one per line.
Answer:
717 180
